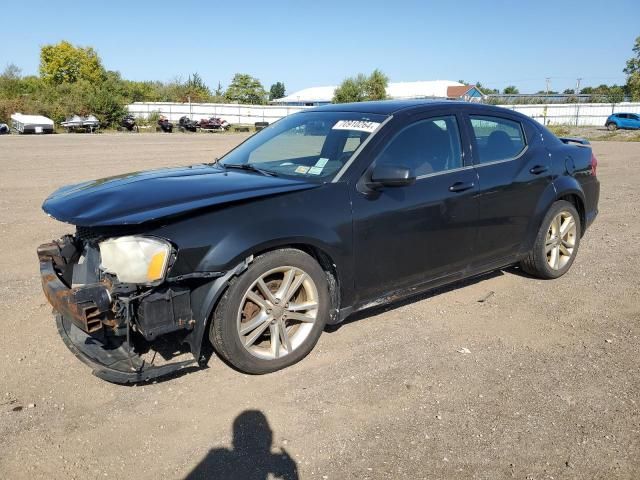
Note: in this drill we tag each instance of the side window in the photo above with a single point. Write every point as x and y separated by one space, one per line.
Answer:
427 146
497 138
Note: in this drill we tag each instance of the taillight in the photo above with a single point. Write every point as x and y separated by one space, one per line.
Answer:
594 164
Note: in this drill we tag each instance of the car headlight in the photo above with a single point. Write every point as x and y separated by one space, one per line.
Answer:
135 259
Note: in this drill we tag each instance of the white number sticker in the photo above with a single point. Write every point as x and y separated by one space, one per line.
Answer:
359 125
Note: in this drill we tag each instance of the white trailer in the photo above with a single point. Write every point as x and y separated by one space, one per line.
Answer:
21 123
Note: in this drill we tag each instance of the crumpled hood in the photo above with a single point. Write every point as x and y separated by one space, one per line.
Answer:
142 196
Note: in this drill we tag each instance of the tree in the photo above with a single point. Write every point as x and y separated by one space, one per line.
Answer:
64 63
246 89
194 90
375 87
219 92
633 72
362 88
350 90
569 91
10 82
276 91
511 90
615 94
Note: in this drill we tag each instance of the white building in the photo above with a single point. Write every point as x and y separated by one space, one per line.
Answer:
398 90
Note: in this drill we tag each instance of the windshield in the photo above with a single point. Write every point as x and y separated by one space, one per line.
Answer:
313 145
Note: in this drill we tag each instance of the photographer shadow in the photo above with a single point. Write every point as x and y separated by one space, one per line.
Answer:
250 458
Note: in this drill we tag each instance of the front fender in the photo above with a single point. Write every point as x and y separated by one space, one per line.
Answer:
203 300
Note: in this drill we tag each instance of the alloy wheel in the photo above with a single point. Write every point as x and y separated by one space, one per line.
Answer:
561 240
277 312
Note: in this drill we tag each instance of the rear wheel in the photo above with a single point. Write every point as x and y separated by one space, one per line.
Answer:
556 243
273 314
612 127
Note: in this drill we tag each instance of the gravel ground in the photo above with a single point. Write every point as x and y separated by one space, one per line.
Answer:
538 381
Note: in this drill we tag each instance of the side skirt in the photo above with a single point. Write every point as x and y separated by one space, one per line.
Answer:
424 287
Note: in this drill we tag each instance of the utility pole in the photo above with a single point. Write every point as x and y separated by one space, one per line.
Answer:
578 100
546 99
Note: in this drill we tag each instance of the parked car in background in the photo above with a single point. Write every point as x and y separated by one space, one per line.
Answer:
288 233
623 120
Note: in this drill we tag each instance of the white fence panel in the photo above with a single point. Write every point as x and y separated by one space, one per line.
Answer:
232 113
581 114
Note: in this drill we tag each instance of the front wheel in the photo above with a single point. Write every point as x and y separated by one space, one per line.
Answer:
612 127
273 314
556 243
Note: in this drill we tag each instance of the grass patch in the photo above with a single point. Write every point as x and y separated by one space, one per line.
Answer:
559 130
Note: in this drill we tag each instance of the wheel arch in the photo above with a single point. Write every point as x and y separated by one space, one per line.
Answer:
563 188
569 189
578 203
321 255
206 297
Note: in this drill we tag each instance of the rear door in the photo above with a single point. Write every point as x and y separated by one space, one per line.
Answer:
623 120
513 168
404 236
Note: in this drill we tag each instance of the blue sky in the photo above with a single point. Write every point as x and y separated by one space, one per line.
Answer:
311 43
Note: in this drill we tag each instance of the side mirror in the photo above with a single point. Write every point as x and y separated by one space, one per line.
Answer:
390 176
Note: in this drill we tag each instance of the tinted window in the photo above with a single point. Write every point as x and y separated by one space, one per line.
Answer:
427 146
497 138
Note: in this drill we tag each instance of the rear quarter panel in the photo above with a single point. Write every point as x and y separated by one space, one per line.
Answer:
573 176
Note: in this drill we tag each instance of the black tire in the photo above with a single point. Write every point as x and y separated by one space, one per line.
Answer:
612 127
536 263
224 333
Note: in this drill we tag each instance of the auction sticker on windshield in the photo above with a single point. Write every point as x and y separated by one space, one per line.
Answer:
359 125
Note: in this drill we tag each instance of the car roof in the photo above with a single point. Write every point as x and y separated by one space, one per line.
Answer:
383 107
390 107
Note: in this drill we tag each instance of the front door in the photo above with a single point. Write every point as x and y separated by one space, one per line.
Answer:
410 235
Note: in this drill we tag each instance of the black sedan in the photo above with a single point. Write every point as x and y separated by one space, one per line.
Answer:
322 214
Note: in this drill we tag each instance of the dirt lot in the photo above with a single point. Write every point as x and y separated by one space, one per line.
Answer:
550 388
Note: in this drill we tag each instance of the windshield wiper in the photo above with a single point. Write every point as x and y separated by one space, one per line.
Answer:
248 167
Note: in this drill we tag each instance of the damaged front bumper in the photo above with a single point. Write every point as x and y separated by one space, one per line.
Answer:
83 313
116 365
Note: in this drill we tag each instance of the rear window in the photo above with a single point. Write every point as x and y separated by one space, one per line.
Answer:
497 138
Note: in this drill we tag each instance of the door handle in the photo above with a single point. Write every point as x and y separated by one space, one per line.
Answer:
538 169
461 186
